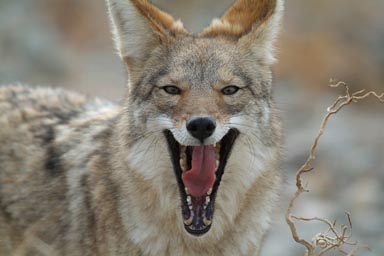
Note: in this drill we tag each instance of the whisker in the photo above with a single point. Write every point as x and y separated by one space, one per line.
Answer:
244 125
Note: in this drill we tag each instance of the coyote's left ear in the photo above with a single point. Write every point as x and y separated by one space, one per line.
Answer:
254 23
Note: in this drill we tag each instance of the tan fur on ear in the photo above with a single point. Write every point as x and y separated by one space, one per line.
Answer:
241 17
160 21
139 27
254 23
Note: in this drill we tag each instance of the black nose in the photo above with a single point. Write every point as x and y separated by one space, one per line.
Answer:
201 128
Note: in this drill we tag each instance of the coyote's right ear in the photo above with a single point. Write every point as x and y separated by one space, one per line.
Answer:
139 27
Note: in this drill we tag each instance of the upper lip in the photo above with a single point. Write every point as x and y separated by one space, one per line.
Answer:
198 211
192 141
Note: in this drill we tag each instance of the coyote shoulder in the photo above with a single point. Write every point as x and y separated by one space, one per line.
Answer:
187 164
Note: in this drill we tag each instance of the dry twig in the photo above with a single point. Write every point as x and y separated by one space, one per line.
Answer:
332 238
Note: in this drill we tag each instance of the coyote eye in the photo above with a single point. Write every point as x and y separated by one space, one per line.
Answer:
172 89
229 90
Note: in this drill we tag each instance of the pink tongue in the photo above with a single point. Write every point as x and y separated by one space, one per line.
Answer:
200 178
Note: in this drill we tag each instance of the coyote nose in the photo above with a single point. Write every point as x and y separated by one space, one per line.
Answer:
201 128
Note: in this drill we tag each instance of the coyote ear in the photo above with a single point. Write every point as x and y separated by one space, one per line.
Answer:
255 23
139 27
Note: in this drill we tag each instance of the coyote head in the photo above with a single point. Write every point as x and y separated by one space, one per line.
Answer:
207 96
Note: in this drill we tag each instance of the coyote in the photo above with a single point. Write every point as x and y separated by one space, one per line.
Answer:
187 164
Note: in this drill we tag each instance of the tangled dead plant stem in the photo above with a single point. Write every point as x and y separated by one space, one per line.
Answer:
335 238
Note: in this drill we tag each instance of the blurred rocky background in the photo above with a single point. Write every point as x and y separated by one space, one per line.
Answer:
66 43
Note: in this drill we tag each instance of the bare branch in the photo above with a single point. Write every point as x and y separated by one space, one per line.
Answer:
334 237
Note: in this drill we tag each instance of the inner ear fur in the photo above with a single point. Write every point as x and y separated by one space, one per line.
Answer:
253 23
241 17
160 21
139 27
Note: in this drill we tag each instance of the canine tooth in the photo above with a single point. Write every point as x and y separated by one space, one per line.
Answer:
209 191
186 190
217 148
207 199
207 222
189 200
189 220
182 164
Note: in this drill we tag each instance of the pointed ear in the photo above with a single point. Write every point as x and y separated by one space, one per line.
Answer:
139 27
254 23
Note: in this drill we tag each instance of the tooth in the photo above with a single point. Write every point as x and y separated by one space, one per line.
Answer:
217 150
190 207
207 222
207 199
183 164
189 200
214 145
217 163
209 191
186 190
189 220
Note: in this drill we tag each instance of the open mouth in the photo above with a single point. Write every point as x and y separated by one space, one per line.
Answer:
198 171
